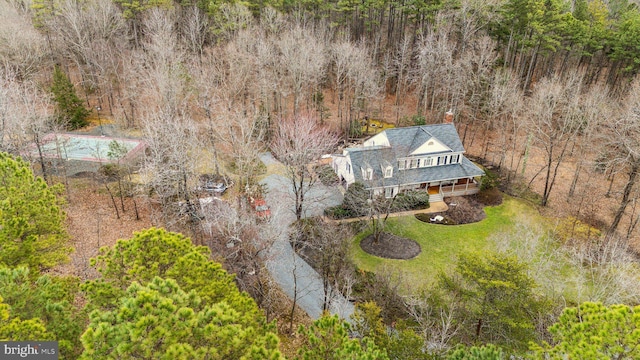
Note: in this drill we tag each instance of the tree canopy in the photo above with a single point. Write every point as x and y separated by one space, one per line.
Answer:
159 253
328 339
48 301
161 321
494 298
32 231
14 329
594 331
196 290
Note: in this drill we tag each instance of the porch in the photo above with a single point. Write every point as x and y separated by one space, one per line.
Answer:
459 187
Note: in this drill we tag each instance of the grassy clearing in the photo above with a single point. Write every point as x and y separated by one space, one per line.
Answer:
441 244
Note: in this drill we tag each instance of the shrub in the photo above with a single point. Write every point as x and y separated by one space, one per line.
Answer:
490 180
338 212
326 175
411 200
355 199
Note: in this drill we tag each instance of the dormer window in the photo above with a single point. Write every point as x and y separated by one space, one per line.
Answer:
367 173
388 172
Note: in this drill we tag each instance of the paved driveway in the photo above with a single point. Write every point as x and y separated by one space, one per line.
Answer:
290 271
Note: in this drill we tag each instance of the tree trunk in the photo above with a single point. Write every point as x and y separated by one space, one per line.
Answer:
113 200
574 181
633 175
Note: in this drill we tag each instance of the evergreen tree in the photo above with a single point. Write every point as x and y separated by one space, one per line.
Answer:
161 321
69 109
47 300
14 329
494 299
328 339
32 231
594 331
159 253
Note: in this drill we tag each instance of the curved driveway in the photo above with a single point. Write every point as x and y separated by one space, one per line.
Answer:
291 272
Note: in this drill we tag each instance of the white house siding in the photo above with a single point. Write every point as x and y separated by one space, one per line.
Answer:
377 140
339 163
433 145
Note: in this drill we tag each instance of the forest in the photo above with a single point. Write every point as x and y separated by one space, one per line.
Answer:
126 259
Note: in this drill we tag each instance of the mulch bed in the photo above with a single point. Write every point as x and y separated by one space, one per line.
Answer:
391 247
462 210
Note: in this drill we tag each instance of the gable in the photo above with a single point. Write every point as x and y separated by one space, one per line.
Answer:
432 145
377 140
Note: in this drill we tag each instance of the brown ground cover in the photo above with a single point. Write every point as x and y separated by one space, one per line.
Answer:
92 223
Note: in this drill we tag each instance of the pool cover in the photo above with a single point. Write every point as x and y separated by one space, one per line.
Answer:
87 147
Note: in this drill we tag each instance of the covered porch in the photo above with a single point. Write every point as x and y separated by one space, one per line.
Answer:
438 190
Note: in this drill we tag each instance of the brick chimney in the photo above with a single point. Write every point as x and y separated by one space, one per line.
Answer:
448 117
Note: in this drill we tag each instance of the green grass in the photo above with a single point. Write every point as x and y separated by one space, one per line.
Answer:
441 244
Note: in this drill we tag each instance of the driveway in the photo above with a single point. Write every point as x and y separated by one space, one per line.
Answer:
291 272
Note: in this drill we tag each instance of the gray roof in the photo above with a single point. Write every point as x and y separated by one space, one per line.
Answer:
407 139
404 141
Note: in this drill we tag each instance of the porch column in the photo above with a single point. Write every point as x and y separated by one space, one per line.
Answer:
466 188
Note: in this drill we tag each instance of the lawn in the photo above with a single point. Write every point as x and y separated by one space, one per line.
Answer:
442 243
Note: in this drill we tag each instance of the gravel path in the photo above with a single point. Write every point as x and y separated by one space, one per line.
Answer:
290 271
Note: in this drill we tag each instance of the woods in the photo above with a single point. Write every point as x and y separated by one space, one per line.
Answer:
544 94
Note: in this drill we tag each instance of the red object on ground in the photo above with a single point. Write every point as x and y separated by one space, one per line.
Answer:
261 208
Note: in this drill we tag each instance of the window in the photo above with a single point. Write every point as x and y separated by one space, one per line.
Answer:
367 173
348 166
440 160
413 164
430 143
455 159
401 164
388 192
429 161
388 172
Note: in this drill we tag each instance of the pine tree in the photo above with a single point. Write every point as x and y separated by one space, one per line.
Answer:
32 231
69 109
161 321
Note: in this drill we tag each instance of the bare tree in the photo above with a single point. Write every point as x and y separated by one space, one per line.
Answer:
304 60
503 108
195 29
621 148
26 119
298 141
243 135
23 51
594 108
326 247
243 240
172 161
607 271
554 124
436 325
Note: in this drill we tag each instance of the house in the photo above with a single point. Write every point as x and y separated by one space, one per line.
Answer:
429 158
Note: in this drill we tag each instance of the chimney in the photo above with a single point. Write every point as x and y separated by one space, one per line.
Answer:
448 117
